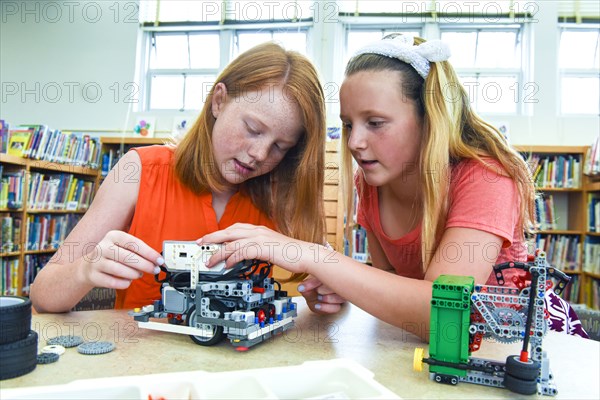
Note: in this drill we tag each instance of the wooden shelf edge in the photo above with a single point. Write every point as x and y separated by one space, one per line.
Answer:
558 232
593 186
132 140
64 168
37 211
48 165
554 189
27 252
550 149
10 159
10 254
9 210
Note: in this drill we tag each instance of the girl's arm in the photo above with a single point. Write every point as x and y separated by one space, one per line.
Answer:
97 253
378 257
400 301
321 298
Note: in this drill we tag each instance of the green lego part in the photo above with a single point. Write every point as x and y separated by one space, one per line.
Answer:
450 321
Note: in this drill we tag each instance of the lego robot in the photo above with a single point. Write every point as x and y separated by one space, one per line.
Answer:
241 303
506 314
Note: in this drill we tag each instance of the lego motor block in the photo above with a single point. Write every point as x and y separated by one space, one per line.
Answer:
242 303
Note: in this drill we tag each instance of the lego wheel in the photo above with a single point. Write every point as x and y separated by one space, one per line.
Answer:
520 386
211 333
19 357
271 311
523 370
418 359
15 318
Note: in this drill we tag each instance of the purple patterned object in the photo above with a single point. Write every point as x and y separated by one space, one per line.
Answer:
562 317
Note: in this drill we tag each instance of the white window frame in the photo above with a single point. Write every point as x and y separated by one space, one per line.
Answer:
524 88
227 43
575 72
367 24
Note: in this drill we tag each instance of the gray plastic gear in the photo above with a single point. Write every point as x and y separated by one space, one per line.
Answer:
509 318
47 358
54 348
92 348
65 341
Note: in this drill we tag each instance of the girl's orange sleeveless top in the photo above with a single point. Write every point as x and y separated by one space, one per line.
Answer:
168 210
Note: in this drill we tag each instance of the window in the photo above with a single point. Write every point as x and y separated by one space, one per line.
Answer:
181 69
188 43
360 36
579 69
183 66
488 59
292 39
488 62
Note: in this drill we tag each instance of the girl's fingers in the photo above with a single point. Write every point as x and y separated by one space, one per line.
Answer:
324 290
112 282
117 240
233 233
309 284
325 308
331 298
130 258
120 271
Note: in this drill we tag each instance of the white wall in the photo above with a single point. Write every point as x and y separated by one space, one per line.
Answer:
45 46
66 64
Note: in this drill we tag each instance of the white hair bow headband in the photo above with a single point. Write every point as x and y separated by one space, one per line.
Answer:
402 48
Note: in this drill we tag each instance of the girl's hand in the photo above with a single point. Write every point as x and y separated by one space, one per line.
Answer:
118 259
319 297
251 242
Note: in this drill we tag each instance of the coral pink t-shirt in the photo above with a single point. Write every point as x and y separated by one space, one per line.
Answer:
479 198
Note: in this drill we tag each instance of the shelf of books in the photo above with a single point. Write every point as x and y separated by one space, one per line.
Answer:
591 245
563 216
113 148
48 179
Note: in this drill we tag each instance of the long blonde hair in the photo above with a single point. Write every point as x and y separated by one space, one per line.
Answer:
452 132
292 193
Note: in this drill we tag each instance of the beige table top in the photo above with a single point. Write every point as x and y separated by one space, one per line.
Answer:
353 334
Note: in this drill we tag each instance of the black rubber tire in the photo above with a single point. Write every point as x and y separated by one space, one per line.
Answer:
519 385
218 334
18 358
526 371
15 318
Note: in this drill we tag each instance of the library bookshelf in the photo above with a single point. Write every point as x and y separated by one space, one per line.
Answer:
33 230
113 148
564 221
591 260
34 224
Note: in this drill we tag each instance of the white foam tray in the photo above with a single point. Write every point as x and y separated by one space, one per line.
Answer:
331 379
